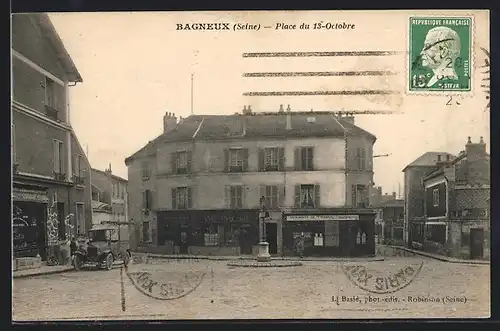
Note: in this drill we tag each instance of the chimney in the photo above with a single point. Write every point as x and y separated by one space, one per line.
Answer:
447 157
349 117
247 111
281 109
477 164
288 118
394 195
169 122
439 159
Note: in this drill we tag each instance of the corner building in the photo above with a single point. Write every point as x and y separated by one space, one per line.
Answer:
196 188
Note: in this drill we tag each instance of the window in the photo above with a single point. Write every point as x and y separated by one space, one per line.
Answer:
360 197
181 198
145 232
235 197
307 196
58 156
271 159
147 200
80 217
145 170
361 159
77 170
236 160
211 235
181 162
435 197
51 99
271 195
304 157
318 239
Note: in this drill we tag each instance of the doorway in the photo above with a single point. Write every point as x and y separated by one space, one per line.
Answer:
272 237
246 240
476 243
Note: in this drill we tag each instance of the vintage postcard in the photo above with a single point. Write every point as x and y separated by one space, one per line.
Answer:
251 165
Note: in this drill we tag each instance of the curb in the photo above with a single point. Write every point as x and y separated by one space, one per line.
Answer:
236 258
440 258
52 272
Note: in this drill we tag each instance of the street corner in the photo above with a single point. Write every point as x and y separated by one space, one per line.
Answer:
383 278
166 278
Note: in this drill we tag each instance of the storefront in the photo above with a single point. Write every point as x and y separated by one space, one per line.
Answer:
29 220
330 234
208 232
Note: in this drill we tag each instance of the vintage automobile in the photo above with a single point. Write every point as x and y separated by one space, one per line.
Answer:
106 244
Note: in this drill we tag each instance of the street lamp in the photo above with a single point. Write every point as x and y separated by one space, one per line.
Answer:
263 255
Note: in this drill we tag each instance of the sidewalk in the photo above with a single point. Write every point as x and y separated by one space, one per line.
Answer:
439 257
250 258
43 270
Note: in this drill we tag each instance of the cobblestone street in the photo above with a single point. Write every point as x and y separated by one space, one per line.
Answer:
212 290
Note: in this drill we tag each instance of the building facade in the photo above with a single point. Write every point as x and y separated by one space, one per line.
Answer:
414 194
457 205
51 173
197 188
109 197
389 221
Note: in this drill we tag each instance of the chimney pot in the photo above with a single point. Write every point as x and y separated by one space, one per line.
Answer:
288 108
469 141
281 109
439 158
481 141
249 108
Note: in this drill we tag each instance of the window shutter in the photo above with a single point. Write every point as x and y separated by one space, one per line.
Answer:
150 199
281 160
174 198
173 161
353 195
245 159
226 160
190 197
227 197
317 196
310 157
189 161
144 200
297 196
262 162
55 147
297 159
262 193
274 193
281 195
239 192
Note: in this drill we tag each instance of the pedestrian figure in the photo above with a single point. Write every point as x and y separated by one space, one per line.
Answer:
300 245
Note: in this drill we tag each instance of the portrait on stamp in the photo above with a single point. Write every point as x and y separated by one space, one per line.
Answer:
440 54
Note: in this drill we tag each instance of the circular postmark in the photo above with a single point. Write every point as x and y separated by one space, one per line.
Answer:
166 279
383 278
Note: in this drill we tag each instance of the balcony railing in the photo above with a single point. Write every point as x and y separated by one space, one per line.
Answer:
59 176
79 180
52 113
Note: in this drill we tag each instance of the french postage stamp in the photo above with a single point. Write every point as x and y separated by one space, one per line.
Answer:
440 54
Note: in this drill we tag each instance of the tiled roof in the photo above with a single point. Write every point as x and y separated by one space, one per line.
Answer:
429 159
217 127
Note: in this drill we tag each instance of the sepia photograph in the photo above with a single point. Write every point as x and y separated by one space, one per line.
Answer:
229 165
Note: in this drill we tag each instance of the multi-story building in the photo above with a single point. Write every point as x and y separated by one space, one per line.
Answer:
414 193
197 187
456 208
51 172
389 221
109 197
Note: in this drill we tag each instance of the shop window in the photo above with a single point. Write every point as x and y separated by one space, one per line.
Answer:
318 239
397 233
232 236
211 235
361 238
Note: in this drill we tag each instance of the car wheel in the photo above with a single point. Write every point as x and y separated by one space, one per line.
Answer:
78 262
109 261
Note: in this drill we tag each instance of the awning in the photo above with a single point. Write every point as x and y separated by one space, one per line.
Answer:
29 195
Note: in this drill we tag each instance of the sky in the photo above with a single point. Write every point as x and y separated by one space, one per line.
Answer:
137 66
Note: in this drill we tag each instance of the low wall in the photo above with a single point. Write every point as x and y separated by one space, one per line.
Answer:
24 263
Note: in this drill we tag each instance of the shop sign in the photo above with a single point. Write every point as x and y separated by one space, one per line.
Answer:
312 218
